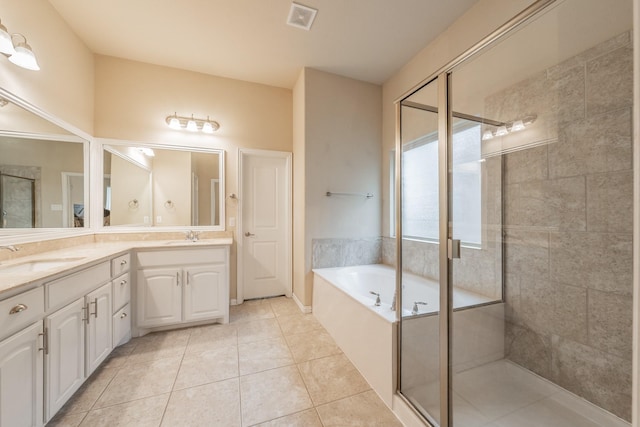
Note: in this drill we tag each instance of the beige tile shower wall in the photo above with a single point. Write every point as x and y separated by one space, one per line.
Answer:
568 220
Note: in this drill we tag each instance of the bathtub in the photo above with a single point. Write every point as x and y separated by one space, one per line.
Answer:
367 333
359 281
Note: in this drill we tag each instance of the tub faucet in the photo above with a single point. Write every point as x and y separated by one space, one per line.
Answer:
377 304
10 248
393 303
415 307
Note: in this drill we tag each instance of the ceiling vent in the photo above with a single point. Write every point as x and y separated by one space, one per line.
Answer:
301 16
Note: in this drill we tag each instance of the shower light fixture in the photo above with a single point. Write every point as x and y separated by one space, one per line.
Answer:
15 47
509 127
192 124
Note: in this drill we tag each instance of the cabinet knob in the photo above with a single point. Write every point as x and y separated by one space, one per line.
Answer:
123 315
122 283
18 308
123 262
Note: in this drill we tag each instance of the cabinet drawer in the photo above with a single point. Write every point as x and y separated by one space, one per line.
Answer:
21 310
66 289
121 325
182 257
120 264
121 291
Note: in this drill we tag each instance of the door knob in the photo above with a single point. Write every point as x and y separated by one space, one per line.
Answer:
247 234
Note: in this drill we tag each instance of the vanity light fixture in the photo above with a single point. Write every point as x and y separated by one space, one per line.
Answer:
15 47
192 124
509 127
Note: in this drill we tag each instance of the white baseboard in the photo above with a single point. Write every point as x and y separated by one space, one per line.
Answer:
306 309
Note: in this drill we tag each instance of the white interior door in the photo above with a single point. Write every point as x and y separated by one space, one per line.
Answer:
265 201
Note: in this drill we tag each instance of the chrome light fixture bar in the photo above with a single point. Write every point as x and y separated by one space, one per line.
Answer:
509 127
192 124
15 47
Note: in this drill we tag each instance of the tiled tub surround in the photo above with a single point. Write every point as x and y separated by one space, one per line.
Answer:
346 252
568 221
270 366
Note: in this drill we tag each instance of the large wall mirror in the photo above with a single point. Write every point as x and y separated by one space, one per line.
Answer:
43 172
162 186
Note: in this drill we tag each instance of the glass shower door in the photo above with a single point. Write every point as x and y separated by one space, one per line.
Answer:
17 202
541 198
420 380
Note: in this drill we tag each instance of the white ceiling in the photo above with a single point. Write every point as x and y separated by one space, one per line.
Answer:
249 40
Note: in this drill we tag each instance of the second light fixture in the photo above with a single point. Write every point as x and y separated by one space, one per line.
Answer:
192 124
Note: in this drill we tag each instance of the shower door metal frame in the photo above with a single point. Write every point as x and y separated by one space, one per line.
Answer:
442 77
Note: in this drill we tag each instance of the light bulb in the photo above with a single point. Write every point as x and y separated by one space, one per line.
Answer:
207 127
24 57
487 135
6 45
502 131
517 125
174 123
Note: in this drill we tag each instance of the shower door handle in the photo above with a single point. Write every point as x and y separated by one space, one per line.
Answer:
453 248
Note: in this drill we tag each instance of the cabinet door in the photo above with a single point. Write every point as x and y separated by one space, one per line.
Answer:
21 362
99 327
159 297
65 361
204 292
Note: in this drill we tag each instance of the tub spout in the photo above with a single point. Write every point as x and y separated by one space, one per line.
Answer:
415 307
377 298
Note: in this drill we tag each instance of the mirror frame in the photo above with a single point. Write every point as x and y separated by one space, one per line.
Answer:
97 187
76 135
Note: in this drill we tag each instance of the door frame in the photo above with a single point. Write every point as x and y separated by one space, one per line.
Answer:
287 156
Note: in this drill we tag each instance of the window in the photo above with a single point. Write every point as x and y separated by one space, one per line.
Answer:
420 207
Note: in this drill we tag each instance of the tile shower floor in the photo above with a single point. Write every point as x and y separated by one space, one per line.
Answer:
270 366
503 394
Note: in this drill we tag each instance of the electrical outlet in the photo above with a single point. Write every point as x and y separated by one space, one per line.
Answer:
232 221
158 219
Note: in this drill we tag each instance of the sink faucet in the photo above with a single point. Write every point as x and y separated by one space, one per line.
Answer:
192 235
11 248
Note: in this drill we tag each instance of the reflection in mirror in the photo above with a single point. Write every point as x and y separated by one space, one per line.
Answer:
42 177
151 186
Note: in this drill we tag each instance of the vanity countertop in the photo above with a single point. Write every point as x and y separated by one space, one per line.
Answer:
25 271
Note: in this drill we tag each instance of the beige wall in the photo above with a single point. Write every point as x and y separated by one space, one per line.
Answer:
341 152
299 209
172 188
479 21
64 85
129 182
133 99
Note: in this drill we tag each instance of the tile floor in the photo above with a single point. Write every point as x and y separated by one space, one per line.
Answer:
270 366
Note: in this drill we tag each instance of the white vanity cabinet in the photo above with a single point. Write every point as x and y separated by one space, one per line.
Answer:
21 359
79 334
182 285
21 378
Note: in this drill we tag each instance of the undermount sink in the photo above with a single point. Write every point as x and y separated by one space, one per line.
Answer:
185 242
37 265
